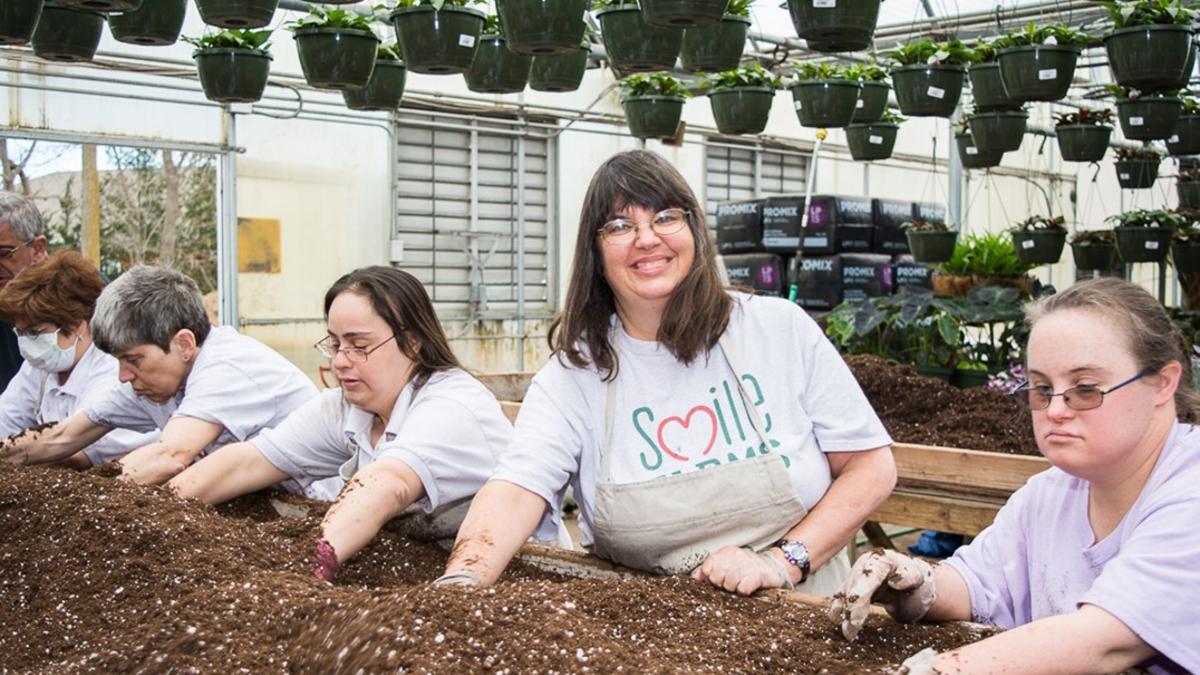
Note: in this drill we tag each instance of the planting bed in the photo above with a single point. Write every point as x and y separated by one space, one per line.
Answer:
99 575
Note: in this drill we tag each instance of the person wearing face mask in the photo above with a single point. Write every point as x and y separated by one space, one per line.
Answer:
22 243
407 426
202 387
50 304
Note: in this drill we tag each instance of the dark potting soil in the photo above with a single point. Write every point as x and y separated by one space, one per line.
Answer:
99 575
927 411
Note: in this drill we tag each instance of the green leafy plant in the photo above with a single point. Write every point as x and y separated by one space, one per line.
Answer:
1040 224
1147 218
1189 232
1050 34
985 51
739 7
925 226
1144 152
603 4
1191 106
928 52
491 25
866 72
1093 237
892 117
320 17
256 40
438 4
820 71
986 255
653 84
1148 13
1084 116
389 52
753 75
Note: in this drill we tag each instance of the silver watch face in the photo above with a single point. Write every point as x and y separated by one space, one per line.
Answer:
796 550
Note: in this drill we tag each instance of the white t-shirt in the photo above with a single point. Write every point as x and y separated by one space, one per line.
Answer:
671 419
35 391
449 434
236 382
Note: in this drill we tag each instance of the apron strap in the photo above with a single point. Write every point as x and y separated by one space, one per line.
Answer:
756 420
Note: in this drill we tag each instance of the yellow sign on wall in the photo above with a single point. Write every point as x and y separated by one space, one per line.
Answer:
258 245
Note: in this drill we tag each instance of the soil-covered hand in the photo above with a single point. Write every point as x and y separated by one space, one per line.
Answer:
921 663
325 562
902 584
20 447
464 578
738 570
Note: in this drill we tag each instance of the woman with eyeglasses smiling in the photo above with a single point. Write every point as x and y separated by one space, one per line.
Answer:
408 426
704 431
1094 565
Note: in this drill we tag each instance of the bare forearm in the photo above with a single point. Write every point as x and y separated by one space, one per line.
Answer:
368 501
64 439
502 517
232 471
155 464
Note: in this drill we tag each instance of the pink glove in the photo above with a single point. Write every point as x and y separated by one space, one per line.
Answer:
325 562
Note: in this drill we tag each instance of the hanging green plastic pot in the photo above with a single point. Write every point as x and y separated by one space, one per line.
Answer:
237 13
1037 72
1149 117
157 23
1186 256
835 25
928 91
1039 247
717 48
18 18
438 41
998 131
1094 256
559 72
102 6
1189 194
653 116
542 27
988 89
869 142
383 92
741 110
67 35
1143 244
336 58
496 70
634 46
683 13
825 103
931 246
1083 142
1137 174
974 158
1186 139
1149 58
230 75
872 101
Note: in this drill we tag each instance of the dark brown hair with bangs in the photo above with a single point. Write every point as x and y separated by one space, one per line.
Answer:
61 290
697 311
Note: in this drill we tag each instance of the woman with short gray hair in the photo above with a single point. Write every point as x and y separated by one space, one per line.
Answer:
204 387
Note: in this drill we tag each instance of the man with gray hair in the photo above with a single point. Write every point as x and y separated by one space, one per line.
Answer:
22 243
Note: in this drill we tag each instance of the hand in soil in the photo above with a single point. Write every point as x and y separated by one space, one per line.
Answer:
740 571
325 561
465 578
920 663
902 584
18 448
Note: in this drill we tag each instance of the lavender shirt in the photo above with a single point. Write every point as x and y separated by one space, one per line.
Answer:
1039 558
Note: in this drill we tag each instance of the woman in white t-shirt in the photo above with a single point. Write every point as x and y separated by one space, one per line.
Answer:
704 431
50 304
407 427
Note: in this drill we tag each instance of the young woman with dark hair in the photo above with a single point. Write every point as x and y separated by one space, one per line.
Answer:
704 431
406 427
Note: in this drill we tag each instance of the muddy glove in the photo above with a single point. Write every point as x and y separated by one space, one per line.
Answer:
920 663
459 578
325 562
902 584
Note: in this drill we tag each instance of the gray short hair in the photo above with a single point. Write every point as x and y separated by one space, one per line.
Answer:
148 305
21 215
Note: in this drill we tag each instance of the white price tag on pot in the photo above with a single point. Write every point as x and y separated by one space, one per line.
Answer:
1152 245
1028 243
796 105
972 150
859 104
1173 139
1137 121
1123 176
936 92
465 40
1048 73
875 140
824 4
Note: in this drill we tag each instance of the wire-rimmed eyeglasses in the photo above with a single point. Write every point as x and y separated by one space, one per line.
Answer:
664 223
325 348
1080 397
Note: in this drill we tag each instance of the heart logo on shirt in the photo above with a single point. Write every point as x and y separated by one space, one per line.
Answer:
692 435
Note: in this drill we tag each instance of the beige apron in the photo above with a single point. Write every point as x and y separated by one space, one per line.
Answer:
670 525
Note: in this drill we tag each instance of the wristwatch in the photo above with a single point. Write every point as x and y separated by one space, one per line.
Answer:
797 554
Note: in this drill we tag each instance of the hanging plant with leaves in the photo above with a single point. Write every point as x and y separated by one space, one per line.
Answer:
1142 153
438 4
1093 237
753 75
389 52
1040 224
928 52
1050 34
1149 13
891 117
866 72
820 71
1083 116
739 8
985 51
255 40
1159 218
320 17
925 226
653 84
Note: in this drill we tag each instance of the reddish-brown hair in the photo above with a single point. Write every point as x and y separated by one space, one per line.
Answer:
61 290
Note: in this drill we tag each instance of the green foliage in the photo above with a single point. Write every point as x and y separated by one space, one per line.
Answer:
1051 34
892 117
820 71
739 7
753 75
986 255
256 40
389 52
985 51
320 17
1040 224
438 4
1147 151
866 72
925 226
922 52
491 25
1191 106
1084 116
653 84
1091 237
1149 13
1147 218
604 4
1188 232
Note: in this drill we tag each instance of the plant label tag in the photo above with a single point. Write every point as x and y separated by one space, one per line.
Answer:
936 92
1137 121
1152 245
467 41
825 4
859 103
1028 243
796 105
1173 139
1123 176
1047 73
875 140
972 150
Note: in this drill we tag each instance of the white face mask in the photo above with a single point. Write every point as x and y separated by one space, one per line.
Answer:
42 352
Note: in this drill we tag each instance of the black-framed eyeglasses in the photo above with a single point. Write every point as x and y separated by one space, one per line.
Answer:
664 223
325 348
7 252
1081 397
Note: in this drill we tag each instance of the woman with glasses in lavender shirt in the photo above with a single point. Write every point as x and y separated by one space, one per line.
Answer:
406 427
1094 565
